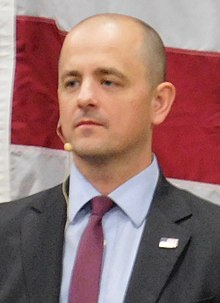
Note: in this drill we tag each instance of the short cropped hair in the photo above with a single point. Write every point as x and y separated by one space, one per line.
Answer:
153 50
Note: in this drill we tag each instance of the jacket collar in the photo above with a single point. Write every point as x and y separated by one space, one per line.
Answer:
169 217
42 235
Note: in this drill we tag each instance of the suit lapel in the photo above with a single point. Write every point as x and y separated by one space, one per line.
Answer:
42 244
169 217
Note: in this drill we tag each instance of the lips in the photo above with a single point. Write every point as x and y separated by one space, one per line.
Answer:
88 123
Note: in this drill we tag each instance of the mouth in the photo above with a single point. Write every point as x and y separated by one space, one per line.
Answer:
87 123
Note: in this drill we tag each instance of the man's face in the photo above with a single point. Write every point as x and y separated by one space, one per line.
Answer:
104 94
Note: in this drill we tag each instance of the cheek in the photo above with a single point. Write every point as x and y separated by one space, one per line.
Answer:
66 108
65 119
139 113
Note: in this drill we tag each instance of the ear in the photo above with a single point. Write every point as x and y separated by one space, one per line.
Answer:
59 131
162 102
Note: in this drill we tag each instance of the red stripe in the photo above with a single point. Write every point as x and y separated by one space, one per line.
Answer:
35 112
187 144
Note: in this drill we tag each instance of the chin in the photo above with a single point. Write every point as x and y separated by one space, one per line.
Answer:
92 154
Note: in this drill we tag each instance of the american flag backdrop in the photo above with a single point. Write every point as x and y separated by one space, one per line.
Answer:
31 35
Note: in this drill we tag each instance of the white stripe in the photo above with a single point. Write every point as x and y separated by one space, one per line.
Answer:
36 168
183 24
206 191
7 54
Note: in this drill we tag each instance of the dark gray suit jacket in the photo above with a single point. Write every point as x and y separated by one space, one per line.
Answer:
31 242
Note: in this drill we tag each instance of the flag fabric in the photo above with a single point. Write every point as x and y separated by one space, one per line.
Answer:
31 34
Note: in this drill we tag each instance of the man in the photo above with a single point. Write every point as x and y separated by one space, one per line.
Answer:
161 244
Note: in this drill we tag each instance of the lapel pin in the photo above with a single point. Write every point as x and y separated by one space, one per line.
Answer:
168 243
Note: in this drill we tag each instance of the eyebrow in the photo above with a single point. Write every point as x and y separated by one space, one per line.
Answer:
99 71
71 73
110 71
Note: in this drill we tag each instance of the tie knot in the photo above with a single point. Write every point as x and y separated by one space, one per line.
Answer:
101 205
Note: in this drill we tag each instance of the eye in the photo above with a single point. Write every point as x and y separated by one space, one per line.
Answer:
72 83
108 83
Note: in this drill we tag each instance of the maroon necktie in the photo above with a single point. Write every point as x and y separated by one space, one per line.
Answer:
84 287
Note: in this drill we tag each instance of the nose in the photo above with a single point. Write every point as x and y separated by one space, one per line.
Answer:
87 95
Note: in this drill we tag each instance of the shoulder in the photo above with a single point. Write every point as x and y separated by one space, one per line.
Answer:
192 199
205 213
178 204
12 210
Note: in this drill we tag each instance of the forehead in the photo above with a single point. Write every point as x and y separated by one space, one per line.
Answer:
121 27
106 38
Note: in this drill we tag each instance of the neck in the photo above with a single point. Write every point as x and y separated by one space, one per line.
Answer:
108 174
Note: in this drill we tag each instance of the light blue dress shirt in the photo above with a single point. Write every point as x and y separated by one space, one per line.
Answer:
123 226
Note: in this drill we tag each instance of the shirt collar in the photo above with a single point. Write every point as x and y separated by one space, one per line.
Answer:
133 197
